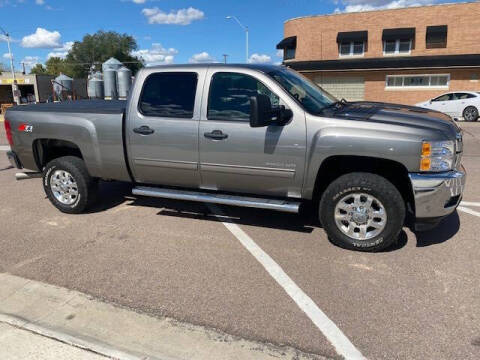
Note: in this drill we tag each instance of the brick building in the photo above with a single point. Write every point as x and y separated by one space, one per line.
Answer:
401 55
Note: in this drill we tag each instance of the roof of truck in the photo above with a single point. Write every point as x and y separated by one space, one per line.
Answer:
258 67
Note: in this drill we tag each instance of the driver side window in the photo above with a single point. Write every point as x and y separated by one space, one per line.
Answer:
446 97
230 93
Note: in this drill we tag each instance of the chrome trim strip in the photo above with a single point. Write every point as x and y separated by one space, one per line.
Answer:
248 170
260 203
183 165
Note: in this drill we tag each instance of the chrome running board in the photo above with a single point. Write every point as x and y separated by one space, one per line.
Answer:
260 203
28 175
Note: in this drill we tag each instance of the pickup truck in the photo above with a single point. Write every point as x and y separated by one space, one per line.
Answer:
258 136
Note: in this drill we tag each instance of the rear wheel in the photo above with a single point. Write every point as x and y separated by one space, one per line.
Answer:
470 113
362 211
68 185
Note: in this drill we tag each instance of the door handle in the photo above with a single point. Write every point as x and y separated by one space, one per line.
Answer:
216 135
143 130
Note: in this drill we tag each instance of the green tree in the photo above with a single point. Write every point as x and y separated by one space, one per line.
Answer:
99 47
38 69
56 66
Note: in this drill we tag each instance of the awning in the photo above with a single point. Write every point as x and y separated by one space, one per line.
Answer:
437 34
352 36
390 63
400 33
288 43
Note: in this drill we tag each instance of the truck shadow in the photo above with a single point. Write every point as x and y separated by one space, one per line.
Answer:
446 230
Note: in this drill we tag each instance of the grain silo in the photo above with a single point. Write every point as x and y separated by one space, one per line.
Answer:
124 82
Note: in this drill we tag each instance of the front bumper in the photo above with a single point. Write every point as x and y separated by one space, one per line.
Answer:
14 160
437 195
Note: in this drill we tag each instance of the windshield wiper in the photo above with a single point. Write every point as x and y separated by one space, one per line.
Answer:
337 104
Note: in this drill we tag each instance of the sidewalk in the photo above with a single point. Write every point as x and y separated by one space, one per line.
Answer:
62 321
17 344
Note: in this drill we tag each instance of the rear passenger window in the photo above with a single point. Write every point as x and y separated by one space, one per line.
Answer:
169 94
230 93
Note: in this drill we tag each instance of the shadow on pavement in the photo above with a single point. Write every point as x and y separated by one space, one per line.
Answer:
6 168
446 230
110 195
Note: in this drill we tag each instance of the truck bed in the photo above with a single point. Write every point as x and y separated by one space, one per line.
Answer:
77 107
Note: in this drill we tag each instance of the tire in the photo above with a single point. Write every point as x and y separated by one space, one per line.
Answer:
470 113
372 229
69 176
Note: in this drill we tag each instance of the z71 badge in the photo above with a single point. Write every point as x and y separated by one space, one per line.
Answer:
25 128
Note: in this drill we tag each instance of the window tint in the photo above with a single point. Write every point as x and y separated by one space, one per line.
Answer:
169 94
230 93
445 97
289 54
462 96
390 46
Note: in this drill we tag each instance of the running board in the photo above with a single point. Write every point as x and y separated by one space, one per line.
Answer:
260 203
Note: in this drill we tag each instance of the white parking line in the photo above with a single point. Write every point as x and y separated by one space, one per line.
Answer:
466 203
468 211
4 148
337 338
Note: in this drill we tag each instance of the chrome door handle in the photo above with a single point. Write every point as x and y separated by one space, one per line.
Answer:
216 135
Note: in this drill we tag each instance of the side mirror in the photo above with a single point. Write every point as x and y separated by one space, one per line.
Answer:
260 111
263 114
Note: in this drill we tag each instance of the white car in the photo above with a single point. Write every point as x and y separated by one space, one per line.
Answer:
460 104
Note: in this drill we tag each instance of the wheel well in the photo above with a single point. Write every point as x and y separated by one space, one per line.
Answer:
393 171
46 150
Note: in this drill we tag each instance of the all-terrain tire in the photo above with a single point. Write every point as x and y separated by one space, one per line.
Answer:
370 185
85 186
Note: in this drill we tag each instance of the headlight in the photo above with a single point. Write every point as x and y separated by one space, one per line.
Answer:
437 155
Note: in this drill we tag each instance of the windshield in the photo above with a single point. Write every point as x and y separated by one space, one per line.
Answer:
313 98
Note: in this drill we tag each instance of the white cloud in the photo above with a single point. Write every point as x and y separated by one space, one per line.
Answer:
30 61
178 17
157 55
42 38
6 56
259 59
279 53
368 5
39 2
61 52
139 1
202 57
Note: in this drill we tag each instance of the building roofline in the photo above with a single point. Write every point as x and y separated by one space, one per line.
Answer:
380 10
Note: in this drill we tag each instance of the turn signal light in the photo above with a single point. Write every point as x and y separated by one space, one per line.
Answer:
425 164
426 149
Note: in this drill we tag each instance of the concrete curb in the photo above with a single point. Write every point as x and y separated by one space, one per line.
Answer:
78 320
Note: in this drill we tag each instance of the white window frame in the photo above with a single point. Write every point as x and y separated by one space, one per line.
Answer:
397 48
351 54
428 87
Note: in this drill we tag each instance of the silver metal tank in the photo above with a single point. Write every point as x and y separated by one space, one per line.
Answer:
91 86
124 82
111 63
95 86
110 84
63 83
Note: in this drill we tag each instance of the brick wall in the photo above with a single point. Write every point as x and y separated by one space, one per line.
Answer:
375 84
317 36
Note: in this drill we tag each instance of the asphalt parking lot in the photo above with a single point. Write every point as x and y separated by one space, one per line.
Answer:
418 300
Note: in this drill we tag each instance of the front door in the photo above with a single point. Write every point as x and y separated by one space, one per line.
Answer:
163 129
235 157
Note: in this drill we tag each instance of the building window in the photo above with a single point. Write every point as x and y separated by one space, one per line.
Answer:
352 48
397 47
289 46
289 54
436 37
428 81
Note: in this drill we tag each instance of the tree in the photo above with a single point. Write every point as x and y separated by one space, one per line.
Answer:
38 69
99 47
56 66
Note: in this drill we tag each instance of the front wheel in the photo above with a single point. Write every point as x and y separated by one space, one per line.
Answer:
470 113
362 211
68 185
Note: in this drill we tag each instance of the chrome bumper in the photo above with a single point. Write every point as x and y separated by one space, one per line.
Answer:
437 195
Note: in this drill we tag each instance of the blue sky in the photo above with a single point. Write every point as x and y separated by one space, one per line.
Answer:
167 31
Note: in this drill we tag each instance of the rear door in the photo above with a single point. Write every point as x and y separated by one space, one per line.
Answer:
163 127
238 158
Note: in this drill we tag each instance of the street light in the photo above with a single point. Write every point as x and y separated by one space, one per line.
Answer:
245 28
14 81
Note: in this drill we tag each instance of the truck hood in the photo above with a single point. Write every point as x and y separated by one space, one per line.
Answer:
398 115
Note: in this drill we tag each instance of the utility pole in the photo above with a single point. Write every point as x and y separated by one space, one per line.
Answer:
14 80
225 58
245 28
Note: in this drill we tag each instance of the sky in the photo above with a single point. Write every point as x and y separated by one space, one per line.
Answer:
167 31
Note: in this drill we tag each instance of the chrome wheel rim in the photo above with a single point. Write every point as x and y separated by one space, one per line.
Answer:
360 216
470 114
64 187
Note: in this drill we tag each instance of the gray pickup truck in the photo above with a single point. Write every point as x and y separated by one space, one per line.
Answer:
254 136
